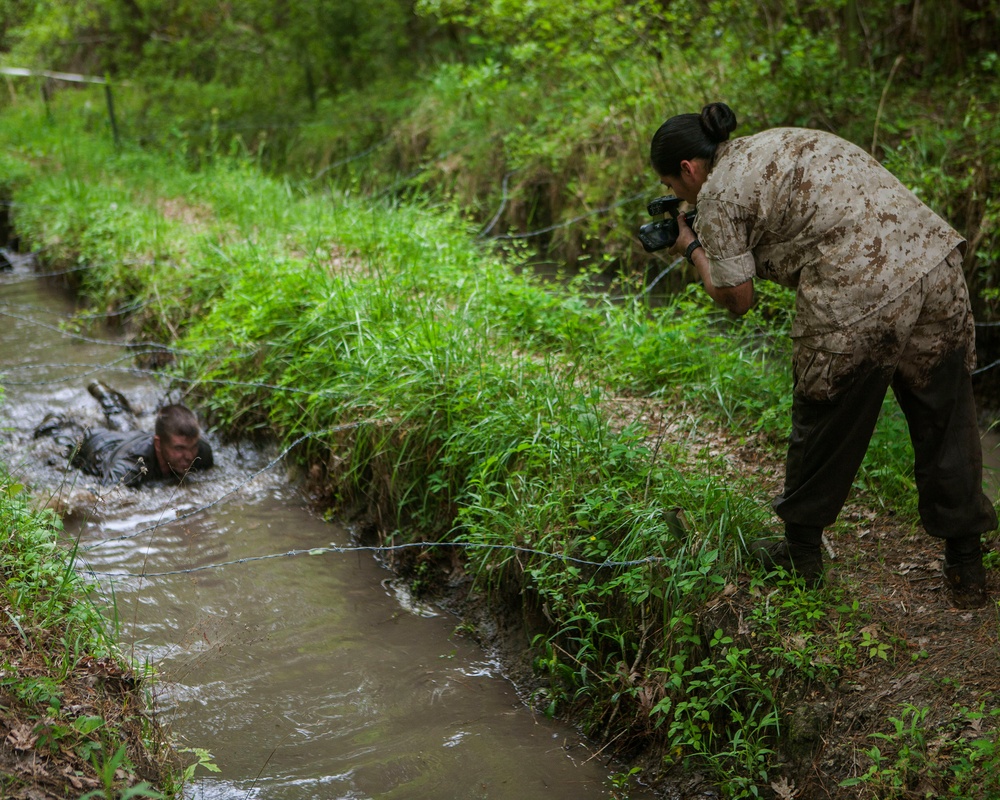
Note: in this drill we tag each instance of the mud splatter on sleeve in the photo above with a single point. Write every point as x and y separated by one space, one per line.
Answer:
815 212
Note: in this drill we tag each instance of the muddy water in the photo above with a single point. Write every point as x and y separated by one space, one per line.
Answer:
308 676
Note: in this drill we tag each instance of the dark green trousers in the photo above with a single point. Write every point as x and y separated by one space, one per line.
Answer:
829 440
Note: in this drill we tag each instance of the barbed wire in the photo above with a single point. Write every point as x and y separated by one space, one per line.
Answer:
110 367
567 223
315 551
72 316
607 563
649 287
500 237
91 369
32 259
349 159
481 236
36 275
160 348
500 209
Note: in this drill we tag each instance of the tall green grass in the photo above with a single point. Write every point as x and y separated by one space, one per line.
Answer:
58 641
456 397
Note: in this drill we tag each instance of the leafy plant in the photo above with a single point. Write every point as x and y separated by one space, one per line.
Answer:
107 770
954 765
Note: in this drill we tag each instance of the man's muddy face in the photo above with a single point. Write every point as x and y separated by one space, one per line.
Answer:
176 454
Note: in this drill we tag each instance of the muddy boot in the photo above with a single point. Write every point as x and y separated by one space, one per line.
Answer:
50 426
114 405
800 553
66 433
964 573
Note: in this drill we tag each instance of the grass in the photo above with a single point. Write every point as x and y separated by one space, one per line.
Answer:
452 395
912 756
71 702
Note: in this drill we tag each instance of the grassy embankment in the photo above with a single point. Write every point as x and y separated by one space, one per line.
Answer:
489 408
73 713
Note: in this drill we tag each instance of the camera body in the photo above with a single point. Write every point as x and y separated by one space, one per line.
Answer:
663 233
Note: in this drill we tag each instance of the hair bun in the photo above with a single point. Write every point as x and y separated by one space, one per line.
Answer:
718 121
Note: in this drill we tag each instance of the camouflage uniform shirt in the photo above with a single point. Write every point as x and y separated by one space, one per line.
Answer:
809 210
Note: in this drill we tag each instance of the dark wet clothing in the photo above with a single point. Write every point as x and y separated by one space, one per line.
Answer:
117 409
127 458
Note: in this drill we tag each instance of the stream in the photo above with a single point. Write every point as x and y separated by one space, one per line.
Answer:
305 676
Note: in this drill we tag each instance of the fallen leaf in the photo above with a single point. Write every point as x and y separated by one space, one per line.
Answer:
22 737
784 790
70 775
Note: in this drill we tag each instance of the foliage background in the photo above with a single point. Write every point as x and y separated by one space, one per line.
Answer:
353 200
531 115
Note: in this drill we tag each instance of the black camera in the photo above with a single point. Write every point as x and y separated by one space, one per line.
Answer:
663 233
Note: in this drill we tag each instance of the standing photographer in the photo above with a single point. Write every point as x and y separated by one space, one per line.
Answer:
881 301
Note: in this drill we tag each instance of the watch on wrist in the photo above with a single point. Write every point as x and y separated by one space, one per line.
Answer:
690 250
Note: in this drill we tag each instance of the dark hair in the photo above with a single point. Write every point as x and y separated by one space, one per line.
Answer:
689 136
176 420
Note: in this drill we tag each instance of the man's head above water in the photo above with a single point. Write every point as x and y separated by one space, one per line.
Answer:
131 457
175 439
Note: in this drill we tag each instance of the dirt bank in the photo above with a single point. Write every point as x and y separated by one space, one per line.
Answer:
912 698
74 717
52 751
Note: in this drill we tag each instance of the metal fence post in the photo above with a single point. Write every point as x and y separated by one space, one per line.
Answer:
111 109
45 99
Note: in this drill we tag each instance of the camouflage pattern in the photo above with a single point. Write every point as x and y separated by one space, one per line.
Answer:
881 301
809 210
910 336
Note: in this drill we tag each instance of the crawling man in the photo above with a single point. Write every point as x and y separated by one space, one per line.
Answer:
131 458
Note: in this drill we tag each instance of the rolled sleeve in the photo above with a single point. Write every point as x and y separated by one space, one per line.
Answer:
725 232
731 271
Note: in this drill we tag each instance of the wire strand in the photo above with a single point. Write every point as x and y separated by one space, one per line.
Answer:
315 551
91 340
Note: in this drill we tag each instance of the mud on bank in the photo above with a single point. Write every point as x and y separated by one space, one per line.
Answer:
75 716
682 659
878 686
